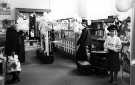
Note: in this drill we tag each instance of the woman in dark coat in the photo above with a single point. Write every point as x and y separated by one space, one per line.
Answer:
11 46
21 46
11 40
84 43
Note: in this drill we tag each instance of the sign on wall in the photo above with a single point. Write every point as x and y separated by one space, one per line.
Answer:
5 9
5 12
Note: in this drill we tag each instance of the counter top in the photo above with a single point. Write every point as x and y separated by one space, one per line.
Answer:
99 52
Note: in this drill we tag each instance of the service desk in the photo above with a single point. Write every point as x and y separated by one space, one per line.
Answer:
99 52
99 58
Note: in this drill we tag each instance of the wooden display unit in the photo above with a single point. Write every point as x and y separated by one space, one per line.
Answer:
97 32
29 22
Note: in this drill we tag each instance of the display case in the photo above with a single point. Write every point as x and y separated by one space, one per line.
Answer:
26 20
97 34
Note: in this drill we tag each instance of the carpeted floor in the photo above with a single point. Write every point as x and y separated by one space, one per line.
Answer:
61 72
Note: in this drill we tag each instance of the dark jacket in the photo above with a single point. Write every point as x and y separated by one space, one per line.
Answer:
21 47
11 40
85 38
84 41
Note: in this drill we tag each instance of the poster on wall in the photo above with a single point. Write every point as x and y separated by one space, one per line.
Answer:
5 9
5 12
23 21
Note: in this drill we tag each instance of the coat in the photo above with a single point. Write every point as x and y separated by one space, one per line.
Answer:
84 42
21 47
85 38
11 43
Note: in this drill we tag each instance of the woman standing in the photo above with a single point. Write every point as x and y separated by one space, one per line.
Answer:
21 46
11 39
11 49
113 46
84 43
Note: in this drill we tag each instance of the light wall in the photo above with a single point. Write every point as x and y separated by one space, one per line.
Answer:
93 9
35 4
64 8
39 4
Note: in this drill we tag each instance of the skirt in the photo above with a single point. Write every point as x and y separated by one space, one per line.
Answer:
113 61
81 54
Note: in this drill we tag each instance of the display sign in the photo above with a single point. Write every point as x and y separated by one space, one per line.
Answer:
5 9
5 12
23 21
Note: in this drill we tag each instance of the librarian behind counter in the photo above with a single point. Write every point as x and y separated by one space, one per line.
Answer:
84 43
113 45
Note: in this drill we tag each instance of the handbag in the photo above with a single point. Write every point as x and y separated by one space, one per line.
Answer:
13 63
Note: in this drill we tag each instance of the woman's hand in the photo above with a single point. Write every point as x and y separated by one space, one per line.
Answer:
88 56
105 49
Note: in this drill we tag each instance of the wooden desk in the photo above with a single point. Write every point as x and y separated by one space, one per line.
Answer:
99 58
100 52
